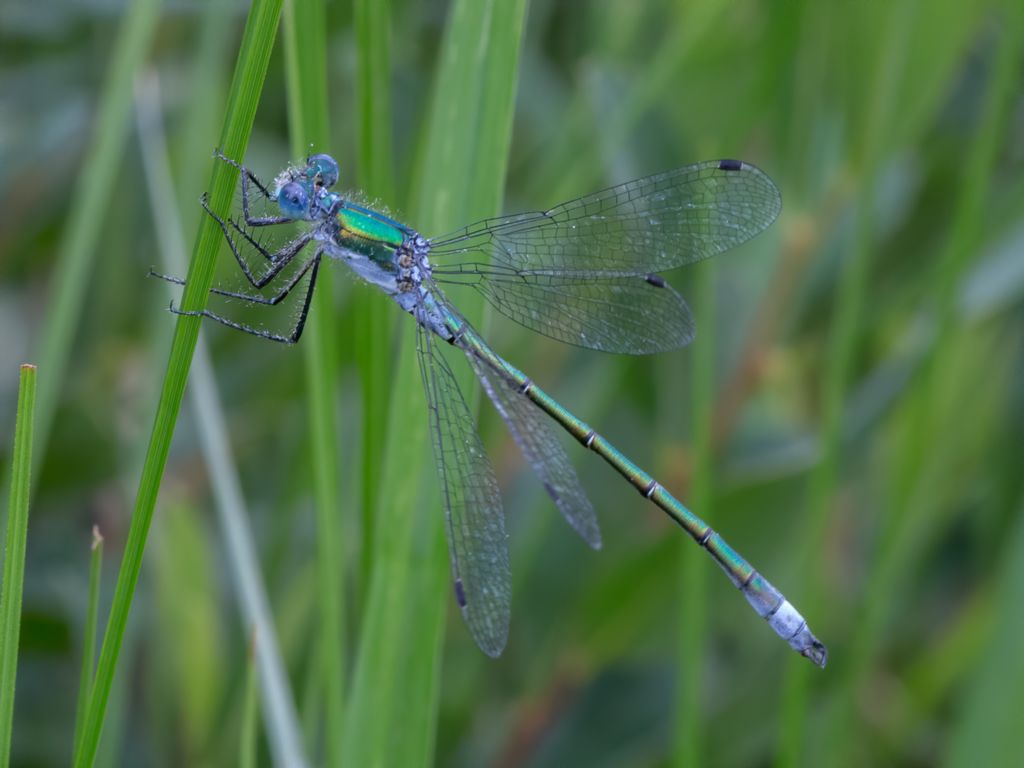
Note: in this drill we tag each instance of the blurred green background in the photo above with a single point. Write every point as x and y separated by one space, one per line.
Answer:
849 417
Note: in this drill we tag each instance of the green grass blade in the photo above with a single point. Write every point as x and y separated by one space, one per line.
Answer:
207 86
372 338
575 147
988 729
248 748
89 635
257 43
693 610
189 627
981 164
306 66
913 509
878 119
465 153
14 554
373 62
281 719
93 193
470 127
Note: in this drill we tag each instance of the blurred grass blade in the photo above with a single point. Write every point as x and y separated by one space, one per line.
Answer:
207 84
988 729
14 554
248 747
693 601
92 196
962 246
257 43
465 155
281 719
894 41
188 626
306 66
913 509
376 170
920 461
89 635
373 339
683 33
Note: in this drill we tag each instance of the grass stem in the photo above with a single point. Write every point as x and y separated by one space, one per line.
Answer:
14 555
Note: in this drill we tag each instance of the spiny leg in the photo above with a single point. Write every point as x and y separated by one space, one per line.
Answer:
254 298
253 242
248 176
313 266
168 278
280 259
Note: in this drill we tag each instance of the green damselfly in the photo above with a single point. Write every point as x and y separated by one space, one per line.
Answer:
584 272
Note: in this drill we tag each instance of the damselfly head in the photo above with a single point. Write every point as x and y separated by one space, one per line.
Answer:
290 173
322 170
293 199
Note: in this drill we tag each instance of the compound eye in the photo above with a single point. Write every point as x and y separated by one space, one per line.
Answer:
326 167
293 200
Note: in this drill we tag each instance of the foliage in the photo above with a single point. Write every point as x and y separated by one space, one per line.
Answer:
848 416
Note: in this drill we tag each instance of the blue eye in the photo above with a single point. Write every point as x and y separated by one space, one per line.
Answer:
293 200
324 165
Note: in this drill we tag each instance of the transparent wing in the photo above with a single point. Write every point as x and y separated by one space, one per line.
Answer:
475 523
531 429
626 314
649 225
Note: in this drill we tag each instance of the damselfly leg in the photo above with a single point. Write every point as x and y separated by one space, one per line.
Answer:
247 177
312 266
279 259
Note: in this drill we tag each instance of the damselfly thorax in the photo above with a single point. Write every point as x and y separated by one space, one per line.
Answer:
585 272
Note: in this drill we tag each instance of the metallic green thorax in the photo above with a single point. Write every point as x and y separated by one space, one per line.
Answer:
373 236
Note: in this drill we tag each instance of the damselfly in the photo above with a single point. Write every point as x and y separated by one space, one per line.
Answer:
584 272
